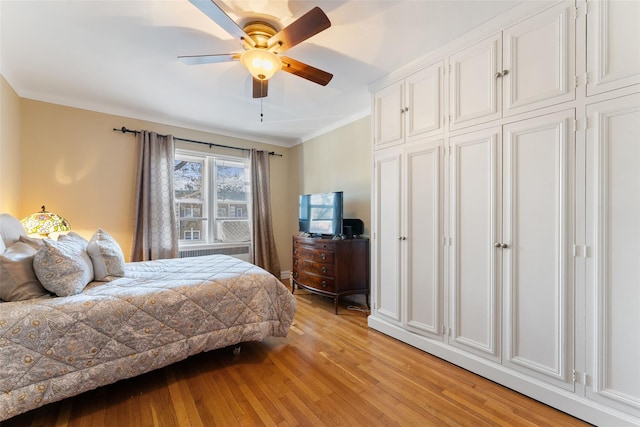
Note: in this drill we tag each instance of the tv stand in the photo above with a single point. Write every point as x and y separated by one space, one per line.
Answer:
331 267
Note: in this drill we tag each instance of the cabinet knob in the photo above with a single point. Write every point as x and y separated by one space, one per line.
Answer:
498 75
295 262
324 269
504 246
295 274
497 244
323 256
505 72
324 284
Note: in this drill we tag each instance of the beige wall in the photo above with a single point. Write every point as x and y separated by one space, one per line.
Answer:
71 161
9 149
75 164
339 160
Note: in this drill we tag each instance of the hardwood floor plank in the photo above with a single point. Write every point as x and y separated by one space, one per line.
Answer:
183 403
331 370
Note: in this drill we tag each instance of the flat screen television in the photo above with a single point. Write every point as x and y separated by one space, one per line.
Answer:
321 214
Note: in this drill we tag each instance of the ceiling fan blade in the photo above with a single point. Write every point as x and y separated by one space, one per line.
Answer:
305 71
260 88
208 59
309 24
217 15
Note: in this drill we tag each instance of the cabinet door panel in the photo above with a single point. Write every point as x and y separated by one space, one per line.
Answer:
539 55
614 231
475 186
613 55
423 230
424 102
388 124
387 232
475 92
537 228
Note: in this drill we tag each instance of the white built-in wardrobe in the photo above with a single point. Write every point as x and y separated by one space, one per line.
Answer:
506 205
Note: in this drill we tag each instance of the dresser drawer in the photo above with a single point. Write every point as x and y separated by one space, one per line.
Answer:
318 268
314 254
313 281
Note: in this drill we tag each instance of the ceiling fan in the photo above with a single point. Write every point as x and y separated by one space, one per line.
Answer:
263 46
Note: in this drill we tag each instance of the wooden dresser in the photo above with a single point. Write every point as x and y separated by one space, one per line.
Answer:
331 267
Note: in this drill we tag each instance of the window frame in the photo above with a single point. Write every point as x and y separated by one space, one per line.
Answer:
210 204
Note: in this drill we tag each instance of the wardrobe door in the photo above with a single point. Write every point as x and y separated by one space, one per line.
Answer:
613 53
613 273
424 101
388 110
475 265
387 234
538 165
423 245
539 60
474 84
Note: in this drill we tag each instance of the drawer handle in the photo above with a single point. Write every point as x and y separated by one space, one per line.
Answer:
324 284
295 262
323 256
295 274
295 251
324 269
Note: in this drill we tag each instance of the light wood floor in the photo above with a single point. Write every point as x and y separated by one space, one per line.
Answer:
330 370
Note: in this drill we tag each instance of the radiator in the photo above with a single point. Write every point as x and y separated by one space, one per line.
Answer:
241 252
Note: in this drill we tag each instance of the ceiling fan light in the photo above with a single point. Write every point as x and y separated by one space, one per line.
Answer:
261 63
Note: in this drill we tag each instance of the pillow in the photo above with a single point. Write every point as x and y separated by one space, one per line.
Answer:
17 279
10 229
106 256
2 246
63 266
34 242
72 235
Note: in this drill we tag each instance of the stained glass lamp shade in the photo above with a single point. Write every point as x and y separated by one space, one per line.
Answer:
44 222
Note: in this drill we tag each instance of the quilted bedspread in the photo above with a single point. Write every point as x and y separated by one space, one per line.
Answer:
159 313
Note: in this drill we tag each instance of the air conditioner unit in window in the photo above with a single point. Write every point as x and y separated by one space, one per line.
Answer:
234 231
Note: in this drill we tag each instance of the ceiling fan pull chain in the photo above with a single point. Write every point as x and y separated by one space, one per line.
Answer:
261 90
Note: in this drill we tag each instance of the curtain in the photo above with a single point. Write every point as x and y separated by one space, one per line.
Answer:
155 231
264 246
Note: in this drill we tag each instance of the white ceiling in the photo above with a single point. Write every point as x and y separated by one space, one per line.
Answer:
119 57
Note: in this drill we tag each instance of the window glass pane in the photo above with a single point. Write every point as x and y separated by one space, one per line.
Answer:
232 209
188 179
230 181
191 229
189 187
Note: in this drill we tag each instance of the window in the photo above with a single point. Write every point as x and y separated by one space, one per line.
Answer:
212 196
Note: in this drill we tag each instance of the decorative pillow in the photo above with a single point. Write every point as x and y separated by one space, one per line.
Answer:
74 237
10 229
34 242
106 255
17 279
63 266
2 246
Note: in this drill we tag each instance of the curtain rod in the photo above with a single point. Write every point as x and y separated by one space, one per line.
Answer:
210 144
